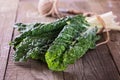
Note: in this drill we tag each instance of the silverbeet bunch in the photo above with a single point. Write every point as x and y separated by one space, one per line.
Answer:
59 43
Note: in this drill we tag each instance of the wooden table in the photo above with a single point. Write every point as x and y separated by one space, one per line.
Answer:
102 63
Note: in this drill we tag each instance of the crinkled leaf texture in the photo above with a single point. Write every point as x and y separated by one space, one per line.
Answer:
35 39
73 42
59 43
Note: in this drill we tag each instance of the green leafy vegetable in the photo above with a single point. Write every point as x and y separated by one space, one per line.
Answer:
24 27
34 47
27 47
72 42
41 30
59 43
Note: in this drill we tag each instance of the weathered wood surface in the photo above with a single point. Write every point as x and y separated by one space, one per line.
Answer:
103 63
8 9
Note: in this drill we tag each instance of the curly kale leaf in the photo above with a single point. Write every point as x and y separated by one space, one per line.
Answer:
59 43
34 41
21 27
72 43
31 47
24 28
26 48
41 30
34 47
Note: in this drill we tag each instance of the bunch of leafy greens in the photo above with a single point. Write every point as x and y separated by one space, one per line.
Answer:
59 43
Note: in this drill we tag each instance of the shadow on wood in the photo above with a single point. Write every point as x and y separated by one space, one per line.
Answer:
40 71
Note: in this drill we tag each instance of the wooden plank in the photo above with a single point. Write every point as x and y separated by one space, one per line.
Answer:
114 44
32 70
8 9
96 64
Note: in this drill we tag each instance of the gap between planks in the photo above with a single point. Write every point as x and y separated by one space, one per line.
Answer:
82 69
33 70
7 20
114 35
96 7
11 40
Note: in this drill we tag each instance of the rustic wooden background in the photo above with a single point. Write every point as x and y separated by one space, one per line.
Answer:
102 63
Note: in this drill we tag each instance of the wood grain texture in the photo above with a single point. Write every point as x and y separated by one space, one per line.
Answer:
32 70
114 44
97 64
8 9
